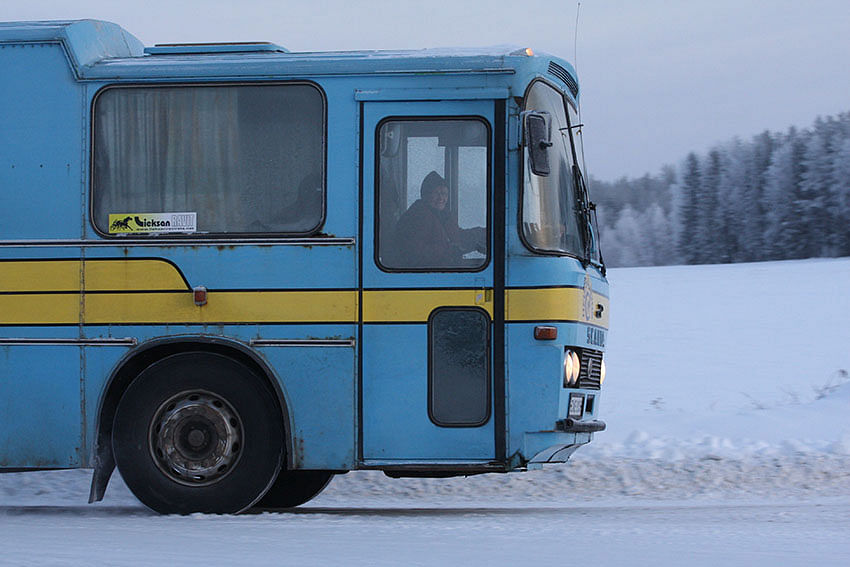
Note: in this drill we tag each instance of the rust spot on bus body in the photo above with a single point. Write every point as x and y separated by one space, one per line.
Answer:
297 452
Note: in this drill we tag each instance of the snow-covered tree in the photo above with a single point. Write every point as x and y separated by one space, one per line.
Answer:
840 189
688 209
709 226
814 197
785 231
775 196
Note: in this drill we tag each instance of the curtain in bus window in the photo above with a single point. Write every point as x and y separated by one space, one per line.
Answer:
245 159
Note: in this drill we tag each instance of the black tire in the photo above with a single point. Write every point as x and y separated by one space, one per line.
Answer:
198 432
294 488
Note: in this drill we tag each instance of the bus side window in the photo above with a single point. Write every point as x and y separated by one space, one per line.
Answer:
246 159
433 193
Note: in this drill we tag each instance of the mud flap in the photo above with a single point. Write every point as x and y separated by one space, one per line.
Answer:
104 465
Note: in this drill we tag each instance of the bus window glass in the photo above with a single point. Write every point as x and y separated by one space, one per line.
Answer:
459 367
433 194
578 143
550 212
244 159
575 130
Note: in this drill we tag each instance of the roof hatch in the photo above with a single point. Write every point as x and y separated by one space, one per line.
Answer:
213 48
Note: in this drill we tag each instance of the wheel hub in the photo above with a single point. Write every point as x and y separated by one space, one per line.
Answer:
195 438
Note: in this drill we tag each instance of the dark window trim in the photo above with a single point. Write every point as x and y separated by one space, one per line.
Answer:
361 137
377 189
500 199
489 348
532 249
216 235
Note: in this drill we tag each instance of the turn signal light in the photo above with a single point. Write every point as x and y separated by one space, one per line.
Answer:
200 295
545 333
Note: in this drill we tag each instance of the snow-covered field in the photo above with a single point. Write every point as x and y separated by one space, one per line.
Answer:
730 360
728 411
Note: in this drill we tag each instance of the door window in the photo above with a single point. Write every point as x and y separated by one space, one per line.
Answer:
459 367
433 188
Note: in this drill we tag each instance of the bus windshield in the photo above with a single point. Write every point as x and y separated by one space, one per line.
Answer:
551 206
594 254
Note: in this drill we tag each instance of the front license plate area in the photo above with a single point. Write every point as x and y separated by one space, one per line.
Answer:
576 408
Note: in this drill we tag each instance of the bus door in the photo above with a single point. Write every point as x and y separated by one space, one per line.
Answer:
427 280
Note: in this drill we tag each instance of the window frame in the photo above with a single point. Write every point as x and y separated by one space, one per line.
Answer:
538 251
489 370
316 231
376 245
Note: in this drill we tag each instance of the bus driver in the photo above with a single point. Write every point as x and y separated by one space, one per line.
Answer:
427 235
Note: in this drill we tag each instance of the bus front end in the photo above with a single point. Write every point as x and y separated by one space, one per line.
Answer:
556 292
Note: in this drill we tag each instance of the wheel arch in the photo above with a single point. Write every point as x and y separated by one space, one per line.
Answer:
149 352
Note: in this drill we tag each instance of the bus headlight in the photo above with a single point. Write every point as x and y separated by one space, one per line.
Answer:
601 372
572 367
576 366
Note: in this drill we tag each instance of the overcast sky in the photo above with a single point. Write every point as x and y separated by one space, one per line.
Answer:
659 78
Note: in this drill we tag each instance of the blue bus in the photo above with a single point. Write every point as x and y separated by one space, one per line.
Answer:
233 271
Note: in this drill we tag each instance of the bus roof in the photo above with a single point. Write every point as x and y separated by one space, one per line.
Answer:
101 50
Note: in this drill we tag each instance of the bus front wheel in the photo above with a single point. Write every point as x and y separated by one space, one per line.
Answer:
294 488
198 432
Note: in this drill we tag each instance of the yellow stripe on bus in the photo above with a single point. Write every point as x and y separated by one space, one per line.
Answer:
389 306
40 309
48 292
555 304
39 275
175 308
27 276
222 307
415 305
132 275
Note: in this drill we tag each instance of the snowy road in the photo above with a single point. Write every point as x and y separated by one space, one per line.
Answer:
609 534
594 512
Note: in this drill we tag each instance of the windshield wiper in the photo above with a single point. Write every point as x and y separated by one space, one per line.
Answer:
584 211
586 208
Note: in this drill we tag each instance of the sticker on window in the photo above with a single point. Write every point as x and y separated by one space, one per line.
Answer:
152 223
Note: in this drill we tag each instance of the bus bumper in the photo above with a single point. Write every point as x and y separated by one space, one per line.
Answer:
551 446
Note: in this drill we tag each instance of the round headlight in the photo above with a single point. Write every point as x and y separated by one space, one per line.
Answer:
569 365
576 367
601 372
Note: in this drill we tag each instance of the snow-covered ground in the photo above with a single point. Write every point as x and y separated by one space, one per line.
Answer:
728 411
728 360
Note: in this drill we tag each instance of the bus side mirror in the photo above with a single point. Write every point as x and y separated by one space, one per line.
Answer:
538 141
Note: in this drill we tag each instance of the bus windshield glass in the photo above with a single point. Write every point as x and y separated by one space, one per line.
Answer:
551 212
578 144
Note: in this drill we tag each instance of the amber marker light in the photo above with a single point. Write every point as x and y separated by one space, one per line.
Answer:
200 295
545 333
528 52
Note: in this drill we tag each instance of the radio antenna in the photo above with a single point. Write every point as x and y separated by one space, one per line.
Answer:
578 102
575 66
575 39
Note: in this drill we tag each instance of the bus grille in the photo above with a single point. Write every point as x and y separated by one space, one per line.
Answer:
591 369
564 75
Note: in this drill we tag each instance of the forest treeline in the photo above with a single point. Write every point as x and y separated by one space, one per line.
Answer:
776 196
